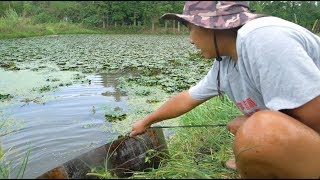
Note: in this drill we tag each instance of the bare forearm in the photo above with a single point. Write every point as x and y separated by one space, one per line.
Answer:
174 107
307 113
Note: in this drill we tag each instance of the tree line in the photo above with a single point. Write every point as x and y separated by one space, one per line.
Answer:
104 14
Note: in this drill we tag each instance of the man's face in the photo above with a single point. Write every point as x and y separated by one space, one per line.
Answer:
202 38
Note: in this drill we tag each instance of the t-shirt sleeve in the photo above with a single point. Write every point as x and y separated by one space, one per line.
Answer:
281 68
206 88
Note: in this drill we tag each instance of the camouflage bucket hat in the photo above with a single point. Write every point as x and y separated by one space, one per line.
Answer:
215 14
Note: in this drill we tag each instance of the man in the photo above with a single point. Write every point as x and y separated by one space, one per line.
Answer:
270 69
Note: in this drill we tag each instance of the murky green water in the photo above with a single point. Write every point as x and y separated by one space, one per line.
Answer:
57 92
68 125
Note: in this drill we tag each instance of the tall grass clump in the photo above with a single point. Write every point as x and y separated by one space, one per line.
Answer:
199 152
6 166
14 26
63 27
11 18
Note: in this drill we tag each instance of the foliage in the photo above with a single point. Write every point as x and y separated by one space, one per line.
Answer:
155 65
11 17
44 17
91 21
115 116
144 13
5 97
6 166
304 13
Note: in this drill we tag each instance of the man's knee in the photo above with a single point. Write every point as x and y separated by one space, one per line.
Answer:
251 146
262 127
265 121
267 125
268 141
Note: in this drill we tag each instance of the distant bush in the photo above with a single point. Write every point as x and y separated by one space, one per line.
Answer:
44 17
91 21
11 17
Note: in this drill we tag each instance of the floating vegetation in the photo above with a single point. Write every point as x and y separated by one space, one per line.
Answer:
9 65
197 56
154 57
143 92
93 110
52 79
4 97
9 125
26 84
115 116
153 100
36 100
45 88
79 76
152 67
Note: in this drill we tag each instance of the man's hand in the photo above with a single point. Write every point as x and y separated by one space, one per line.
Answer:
138 127
174 107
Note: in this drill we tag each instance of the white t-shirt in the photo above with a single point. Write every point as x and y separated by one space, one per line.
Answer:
277 68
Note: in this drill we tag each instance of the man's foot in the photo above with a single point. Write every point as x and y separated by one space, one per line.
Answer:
231 164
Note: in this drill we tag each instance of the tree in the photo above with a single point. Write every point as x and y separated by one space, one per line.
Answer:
118 12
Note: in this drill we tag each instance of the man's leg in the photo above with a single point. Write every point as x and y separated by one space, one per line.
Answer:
271 144
233 127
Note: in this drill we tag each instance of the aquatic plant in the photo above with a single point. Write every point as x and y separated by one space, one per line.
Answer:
115 116
5 97
6 167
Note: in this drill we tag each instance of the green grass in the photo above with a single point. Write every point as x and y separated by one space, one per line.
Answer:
197 152
6 166
14 26
24 28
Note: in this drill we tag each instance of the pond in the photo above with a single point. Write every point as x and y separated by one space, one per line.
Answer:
60 93
65 127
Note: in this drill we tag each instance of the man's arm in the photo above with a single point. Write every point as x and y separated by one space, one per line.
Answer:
308 114
174 107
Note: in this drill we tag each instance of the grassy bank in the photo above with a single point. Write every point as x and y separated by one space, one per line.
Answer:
14 26
21 28
200 152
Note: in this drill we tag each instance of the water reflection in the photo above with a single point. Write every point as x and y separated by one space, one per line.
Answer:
109 80
65 127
